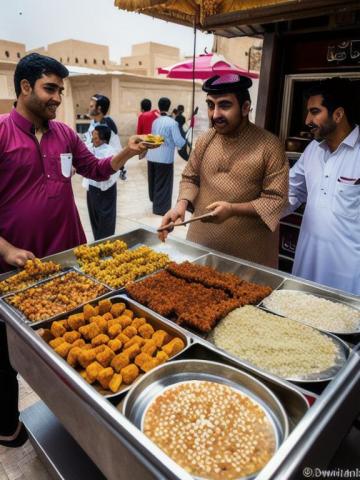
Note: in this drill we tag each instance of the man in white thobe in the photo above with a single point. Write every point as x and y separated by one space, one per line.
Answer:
327 178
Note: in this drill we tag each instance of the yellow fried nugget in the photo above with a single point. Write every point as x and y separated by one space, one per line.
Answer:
173 347
93 370
100 348
86 357
88 311
63 349
57 329
123 338
105 356
149 365
160 337
128 313
84 376
73 356
129 373
56 342
114 321
76 321
99 339
107 316
117 309
149 347
71 337
132 351
114 330
96 310
124 321
79 343
90 331
130 331
115 344
142 358
100 321
64 323
86 346
146 330
115 382
135 339
161 357
104 377
137 322
104 306
120 361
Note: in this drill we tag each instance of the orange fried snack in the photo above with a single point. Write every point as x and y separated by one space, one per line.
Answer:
57 329
86 357
73 356
130 331
71 337
104 377
123 338
90 331
132 351
149 347
100 321
105 356
117 309
145 362
146 330
115 382
107 316
129 373
160 337
161 357
93 370
115 344
76 321
120 361
88 311
79 343
135 339
104 306
137 322
173 347
63 349
100 340
124 321
56 342
114 330
128 313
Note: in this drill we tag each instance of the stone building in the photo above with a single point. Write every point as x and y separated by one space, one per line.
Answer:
145 58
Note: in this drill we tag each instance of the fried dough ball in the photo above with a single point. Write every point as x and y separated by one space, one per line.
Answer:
86 356
117 309
130 331
63 349
90 331
137 322
104 377
129 373
64 323
161 357
100 348
100 339
135 339
143 359
132 351
149 365
105 356
76 321
173 347
123 338
120 361
84 376
71 337
124 321
79 343
57 329
115 344
88 311
149 347
128 313
56 342
114 321
93 370
115 382
107 316
86 346
73 356
101 322
160 337
146 330
104 306
114 330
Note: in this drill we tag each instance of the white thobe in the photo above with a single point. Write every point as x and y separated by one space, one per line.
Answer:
328 249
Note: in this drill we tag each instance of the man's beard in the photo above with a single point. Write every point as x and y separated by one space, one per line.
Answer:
322 132
40 109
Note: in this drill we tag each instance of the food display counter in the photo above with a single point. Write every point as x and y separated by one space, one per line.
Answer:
311 416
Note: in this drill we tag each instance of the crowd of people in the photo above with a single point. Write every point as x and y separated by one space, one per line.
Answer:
237 171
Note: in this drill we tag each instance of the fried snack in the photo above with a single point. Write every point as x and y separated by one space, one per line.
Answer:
160 337
93 370
128 313
63 349
130 331
71 337
115 382
56 342
115 344
76 321
105 356
90 331
173 347
123 338
137 322
161 357
114 330
100 340
64 323
104 377
84 376
57 329
117 309
149 347
129 373
132 351
101 322
86 356
142 358
124 321
88 311
135 340
73 356
120 361
104 306
79 343
154 139
146 330
113 321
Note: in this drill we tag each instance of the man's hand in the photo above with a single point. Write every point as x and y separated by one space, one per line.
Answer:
221 211
16 256
175 215
136 146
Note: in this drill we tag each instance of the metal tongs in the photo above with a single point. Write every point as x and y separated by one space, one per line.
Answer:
171 225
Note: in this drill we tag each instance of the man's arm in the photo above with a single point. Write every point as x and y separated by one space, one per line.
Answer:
13 255
178 139
297 187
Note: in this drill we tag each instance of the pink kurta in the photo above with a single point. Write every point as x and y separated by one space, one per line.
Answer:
37 207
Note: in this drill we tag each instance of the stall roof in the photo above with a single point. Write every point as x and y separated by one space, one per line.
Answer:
236 17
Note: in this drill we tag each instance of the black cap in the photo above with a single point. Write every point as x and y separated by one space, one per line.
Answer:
228 83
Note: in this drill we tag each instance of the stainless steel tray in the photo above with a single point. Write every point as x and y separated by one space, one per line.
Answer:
154 383
343 352
154 319
325 296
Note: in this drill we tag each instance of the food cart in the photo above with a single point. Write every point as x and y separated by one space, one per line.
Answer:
313 416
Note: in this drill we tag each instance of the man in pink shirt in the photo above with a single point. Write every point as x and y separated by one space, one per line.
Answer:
38 215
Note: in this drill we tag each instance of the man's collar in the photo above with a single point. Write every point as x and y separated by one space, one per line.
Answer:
24 123
350 140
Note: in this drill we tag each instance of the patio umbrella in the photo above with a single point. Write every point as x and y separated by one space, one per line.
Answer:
205 66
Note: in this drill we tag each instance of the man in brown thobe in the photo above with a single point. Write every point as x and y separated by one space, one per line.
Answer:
239 173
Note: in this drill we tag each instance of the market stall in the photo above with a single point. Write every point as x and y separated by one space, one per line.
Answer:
106 404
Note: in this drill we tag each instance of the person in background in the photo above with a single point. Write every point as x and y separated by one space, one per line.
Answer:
38 215
327 178
146 117
161 164
180 119
101 196
238 172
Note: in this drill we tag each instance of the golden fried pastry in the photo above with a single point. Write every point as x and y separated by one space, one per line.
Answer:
145 362
137 322
88 311
101 322
100 340
105 356
73 356
107 316
146 330
104 306
132 351
149 347
117 309
104 377
64 323
120 361
130 331
161 357
76 321
124 321
90 331
115 344
123 338
129 373
149 365
173 347
160 337
114 321
86 346
71 337
100 348
115 382
114 330
84 376
56 342
57 329
128 313
93 370
135 339
63 349
79 343
86 356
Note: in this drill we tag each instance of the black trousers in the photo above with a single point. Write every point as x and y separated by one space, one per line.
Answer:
9 410
160 180
102 211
